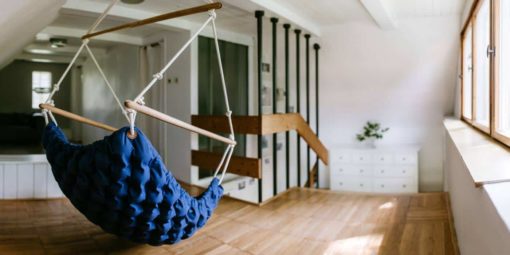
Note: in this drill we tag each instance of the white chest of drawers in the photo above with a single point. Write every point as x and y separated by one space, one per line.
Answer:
385 170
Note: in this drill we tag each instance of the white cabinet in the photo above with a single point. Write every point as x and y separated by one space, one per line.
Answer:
384 170
27 177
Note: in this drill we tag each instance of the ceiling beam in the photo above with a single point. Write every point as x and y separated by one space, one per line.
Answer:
379 12
47 58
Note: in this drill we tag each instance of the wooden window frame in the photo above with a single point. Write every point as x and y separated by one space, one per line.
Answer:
469 25
494 69
495 88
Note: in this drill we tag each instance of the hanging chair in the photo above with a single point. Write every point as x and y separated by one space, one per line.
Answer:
120 182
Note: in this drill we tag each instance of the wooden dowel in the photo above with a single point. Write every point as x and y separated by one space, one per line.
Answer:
178 123
170 15
76 117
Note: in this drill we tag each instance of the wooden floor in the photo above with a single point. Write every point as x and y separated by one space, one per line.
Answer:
301 221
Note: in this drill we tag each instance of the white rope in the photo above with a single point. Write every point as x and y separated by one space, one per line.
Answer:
227 163
52 118
222 160
56 87
227 154
107 83
223 84
159 75
45 114
132 117
103 15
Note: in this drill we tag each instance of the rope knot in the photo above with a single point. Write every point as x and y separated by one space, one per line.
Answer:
228 114
212 14
158 76
56 87
141 101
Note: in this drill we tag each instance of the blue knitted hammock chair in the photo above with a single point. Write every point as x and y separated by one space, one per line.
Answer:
120 183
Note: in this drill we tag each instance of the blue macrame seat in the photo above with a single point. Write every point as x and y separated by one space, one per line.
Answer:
122 185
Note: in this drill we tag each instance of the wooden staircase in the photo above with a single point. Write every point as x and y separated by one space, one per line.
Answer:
257 125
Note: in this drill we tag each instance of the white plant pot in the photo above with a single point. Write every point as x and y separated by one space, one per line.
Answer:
371 142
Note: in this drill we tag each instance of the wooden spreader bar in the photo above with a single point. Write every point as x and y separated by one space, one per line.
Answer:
76 117
176 122
166 16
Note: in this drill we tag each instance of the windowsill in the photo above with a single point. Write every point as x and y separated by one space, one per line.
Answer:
487 160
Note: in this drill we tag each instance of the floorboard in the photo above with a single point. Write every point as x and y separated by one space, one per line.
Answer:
301 221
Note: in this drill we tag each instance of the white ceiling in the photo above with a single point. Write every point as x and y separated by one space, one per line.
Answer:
334 12
425 8
235 17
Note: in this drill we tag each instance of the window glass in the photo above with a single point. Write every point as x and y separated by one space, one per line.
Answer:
481 64
467 73
503 64
41 87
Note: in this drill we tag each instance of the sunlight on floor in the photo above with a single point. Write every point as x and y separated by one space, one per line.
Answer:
354 245
387 205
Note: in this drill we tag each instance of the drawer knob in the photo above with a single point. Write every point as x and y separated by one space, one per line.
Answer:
382 159
360 158
404 171
361 184
361 170
382 171
382 185
341 170
404 186
404 159
341 183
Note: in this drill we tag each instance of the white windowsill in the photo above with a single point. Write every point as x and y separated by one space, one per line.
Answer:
487 160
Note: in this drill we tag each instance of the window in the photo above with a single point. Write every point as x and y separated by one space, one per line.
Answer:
41 87
481 63
502 81
467 74
485 61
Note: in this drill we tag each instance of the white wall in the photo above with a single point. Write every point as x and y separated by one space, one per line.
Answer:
479 228
403 78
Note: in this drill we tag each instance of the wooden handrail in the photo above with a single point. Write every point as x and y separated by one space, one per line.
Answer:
76 117
265 125
313 172
173 121
251 167
166 16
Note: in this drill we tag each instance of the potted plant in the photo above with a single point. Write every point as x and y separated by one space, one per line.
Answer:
372 131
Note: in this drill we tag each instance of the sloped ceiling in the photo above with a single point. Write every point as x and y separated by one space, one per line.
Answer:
21 21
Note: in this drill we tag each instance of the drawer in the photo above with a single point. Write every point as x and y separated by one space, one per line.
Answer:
361 157
351 184
340 169
395 170
395 186
406 158
340 157
407 170
383 158
352 170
